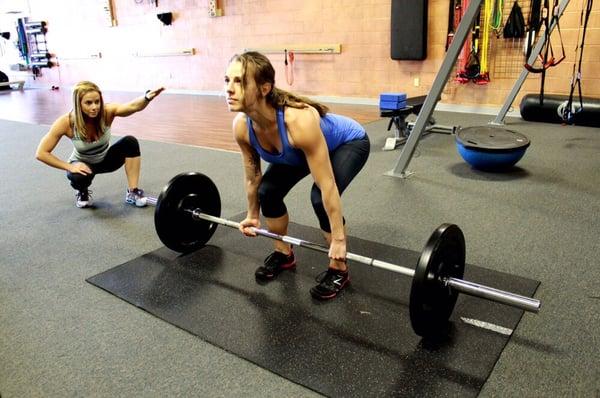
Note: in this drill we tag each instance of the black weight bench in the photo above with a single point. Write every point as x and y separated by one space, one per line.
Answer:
403 128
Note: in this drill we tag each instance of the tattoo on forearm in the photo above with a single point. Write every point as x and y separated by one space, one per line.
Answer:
255 164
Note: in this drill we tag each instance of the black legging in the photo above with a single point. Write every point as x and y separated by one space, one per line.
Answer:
347 160
126 147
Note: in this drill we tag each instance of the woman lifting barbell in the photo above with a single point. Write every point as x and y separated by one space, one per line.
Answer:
88 126
297 137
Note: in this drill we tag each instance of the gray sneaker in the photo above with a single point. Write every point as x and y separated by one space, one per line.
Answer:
83 199
136 197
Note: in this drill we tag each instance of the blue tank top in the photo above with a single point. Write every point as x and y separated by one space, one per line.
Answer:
337 130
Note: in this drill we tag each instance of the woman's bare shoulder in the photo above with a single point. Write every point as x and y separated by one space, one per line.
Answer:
300 116
240 127
62 125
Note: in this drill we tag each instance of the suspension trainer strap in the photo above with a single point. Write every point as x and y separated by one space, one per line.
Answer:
549 17
534 23
568 112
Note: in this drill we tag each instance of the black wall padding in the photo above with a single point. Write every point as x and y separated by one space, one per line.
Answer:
531 109
409 29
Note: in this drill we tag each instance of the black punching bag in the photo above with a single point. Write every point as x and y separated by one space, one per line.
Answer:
409 30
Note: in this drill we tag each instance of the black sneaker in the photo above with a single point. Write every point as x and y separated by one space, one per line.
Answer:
330 283
274 264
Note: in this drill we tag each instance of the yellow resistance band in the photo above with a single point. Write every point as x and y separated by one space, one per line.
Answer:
487 16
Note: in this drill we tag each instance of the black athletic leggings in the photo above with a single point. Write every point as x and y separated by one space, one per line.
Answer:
126 147
347 160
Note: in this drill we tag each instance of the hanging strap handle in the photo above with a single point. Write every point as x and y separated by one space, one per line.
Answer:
289 66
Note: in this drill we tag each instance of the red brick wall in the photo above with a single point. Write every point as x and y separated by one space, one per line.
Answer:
362 70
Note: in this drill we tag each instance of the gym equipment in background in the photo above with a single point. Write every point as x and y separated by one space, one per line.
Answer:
584 113
491 148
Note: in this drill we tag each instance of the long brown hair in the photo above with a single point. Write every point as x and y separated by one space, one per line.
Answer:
263 72
81 89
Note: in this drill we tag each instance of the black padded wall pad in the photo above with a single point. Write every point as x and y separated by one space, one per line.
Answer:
533 111
359 345
409 30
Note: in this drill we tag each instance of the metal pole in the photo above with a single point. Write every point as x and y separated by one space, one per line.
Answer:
470 288
435 92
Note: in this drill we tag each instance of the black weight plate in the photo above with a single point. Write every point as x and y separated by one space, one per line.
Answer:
432 303
174 224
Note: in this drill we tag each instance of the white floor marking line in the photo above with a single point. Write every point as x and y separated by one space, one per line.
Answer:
488 326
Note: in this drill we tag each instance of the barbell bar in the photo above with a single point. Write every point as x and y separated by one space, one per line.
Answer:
187 214
470 288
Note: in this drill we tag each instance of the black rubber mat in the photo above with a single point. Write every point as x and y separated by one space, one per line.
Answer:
360 344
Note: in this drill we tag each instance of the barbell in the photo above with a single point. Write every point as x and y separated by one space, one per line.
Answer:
188 211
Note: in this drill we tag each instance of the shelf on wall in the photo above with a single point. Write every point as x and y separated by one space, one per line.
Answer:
299 49
166 53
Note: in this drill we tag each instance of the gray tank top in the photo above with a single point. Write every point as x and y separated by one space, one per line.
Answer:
90 152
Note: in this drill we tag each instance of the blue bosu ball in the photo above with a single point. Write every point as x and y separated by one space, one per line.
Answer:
491 148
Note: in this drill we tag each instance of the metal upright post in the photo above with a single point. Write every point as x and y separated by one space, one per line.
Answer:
433 96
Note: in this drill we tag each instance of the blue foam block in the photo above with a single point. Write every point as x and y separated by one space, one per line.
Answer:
392 97
392 105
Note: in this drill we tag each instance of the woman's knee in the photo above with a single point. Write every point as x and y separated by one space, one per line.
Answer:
271 201
317 203
319 207
131 146
80 181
